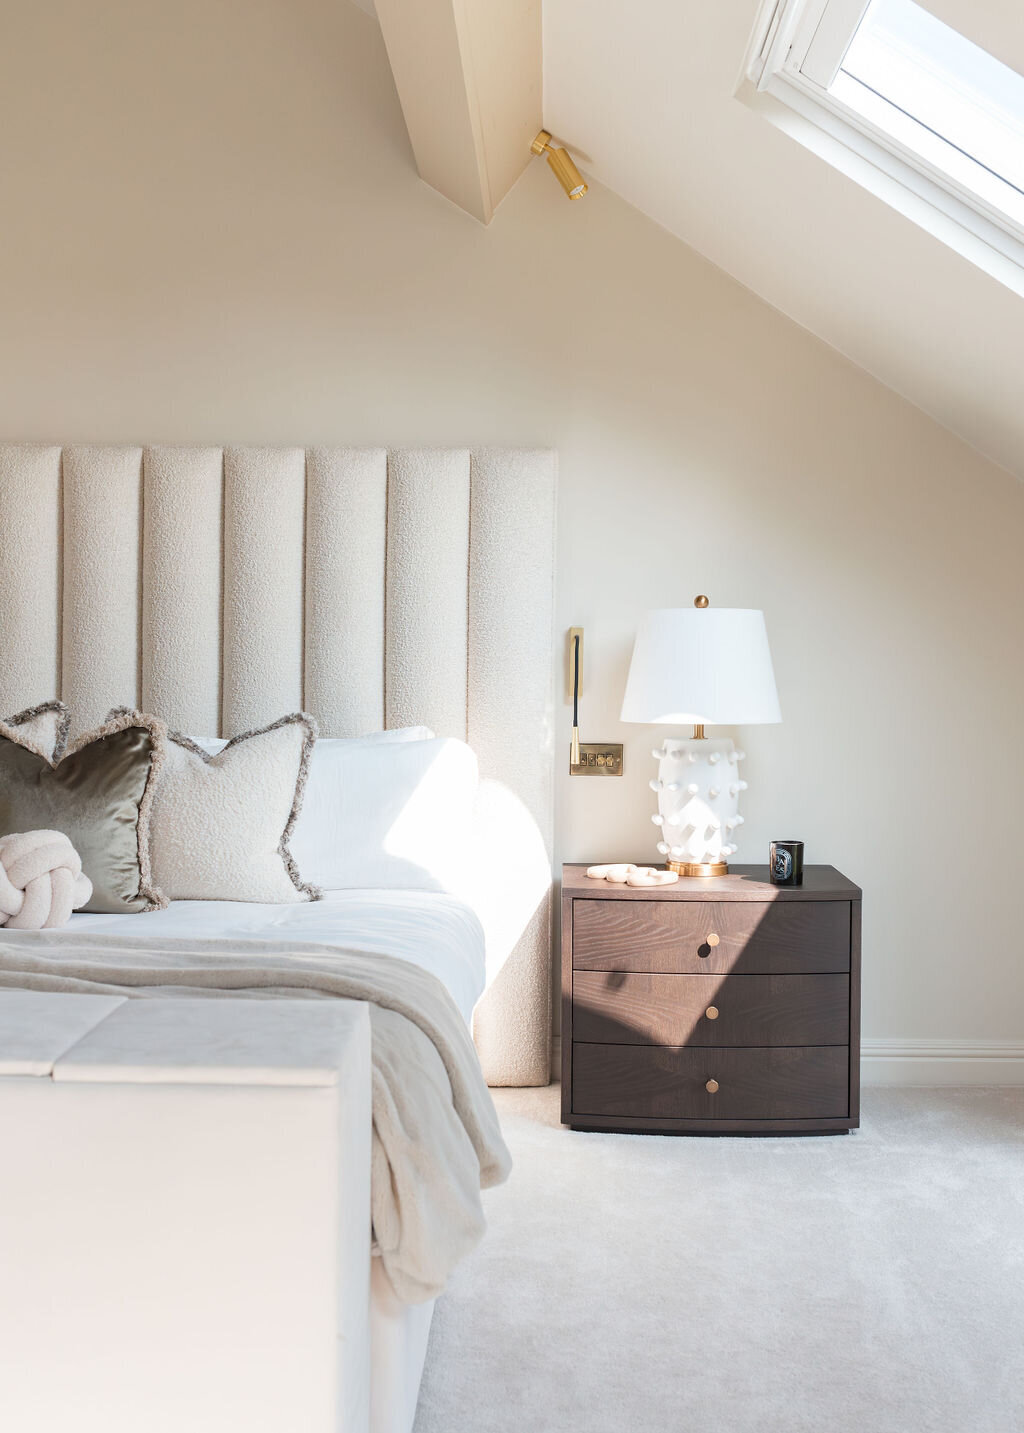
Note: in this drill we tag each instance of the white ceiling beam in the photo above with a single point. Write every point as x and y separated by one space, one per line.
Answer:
468 74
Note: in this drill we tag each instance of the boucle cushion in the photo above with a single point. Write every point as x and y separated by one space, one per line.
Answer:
46 726
99 795
221 823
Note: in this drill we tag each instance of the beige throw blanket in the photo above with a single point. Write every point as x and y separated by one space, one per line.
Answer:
436 1139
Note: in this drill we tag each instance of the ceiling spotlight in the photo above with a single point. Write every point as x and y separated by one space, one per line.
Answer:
561 164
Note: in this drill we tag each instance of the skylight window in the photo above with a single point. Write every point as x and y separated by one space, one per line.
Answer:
895 85
944 98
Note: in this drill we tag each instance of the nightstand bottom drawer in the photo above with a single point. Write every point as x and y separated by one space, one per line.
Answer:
670 1082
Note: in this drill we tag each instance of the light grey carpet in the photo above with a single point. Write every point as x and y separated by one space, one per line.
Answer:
628 1284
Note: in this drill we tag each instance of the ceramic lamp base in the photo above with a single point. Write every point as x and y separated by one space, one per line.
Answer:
698 786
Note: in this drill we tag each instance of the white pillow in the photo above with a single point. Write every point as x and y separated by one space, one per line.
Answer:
213 744
221 822
388 814
396 733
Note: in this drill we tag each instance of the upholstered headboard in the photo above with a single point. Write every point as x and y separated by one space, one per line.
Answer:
222 587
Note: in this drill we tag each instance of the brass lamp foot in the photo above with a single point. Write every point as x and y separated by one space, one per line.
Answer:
698 868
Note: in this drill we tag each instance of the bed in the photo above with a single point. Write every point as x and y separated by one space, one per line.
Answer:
436 931
221 587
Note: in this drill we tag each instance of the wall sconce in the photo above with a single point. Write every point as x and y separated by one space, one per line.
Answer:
575 677
561 165
586 758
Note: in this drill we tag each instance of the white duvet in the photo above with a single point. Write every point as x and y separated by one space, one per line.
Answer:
436 932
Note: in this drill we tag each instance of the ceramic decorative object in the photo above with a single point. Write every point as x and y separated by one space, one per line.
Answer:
629 875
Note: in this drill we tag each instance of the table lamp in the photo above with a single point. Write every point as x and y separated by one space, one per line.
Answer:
705 666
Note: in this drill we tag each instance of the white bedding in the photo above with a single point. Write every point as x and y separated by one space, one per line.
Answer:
436 932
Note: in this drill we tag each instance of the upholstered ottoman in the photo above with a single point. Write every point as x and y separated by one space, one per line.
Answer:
184 1215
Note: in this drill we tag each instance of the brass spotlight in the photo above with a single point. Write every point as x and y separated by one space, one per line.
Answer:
561 164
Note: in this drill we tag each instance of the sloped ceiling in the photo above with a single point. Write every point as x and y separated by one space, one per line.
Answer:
644 96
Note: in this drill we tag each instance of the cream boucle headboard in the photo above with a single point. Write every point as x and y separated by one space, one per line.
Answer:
222 587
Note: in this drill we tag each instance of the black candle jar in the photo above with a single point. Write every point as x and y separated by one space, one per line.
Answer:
786 863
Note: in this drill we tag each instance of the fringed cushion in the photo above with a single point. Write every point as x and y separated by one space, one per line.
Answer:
222 823
45 726
99 796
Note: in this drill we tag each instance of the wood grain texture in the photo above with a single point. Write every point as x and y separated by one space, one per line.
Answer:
743 883
855 965
672 937
636 975
626 1124
566 1026
668 1082
615 1007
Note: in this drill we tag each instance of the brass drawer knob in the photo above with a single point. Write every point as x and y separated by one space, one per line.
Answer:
711 1086
713 940
712 1012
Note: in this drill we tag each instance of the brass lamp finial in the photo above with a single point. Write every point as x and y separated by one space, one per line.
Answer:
701 601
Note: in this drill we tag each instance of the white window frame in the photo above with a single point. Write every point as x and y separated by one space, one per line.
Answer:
795 51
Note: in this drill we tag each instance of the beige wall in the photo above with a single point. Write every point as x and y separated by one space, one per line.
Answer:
212 231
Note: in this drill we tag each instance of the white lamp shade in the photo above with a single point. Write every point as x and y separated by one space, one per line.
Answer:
702 664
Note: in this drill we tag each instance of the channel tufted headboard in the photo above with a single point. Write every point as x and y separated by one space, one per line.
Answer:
222 587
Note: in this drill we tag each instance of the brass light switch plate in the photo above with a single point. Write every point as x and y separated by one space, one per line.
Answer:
598 758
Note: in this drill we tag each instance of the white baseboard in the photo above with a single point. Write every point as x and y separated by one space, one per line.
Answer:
942 1062
923 1062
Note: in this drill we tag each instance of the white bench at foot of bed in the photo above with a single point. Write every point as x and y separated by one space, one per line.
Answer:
184 1215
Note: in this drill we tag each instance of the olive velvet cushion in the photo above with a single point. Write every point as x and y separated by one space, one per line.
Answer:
99 795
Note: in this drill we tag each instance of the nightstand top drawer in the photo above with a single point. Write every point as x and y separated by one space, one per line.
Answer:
720 938
743 883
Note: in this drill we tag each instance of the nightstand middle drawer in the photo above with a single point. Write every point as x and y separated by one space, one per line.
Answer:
710 937
626 1008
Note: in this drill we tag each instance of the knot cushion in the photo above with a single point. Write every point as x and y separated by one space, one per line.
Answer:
41 880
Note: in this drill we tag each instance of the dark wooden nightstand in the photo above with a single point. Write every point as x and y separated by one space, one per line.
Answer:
716 1006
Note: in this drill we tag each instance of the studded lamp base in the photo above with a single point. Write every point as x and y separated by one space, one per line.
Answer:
698 786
